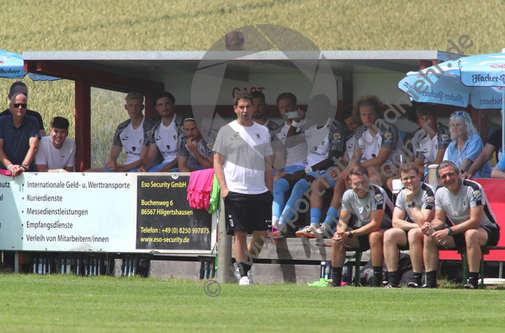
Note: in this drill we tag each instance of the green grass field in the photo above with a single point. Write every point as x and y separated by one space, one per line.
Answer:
32 303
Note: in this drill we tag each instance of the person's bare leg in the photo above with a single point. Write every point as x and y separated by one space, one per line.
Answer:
380 175
474 238
256 244
240 246
430 254
392 238
416 240
376 247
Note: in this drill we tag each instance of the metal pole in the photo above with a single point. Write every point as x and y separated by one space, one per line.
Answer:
16 262
223 247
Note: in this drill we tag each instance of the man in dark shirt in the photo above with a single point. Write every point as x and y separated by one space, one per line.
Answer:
493 144
19 138
19 87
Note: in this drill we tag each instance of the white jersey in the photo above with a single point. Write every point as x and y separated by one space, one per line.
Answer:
321 141
457 206
375 199
244 149
350 146
427 148
55 158
424 199
273 128
132 140
296 155
388 136
165 137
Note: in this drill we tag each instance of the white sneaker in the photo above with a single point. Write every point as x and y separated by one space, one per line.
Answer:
324 231
246 280
306 231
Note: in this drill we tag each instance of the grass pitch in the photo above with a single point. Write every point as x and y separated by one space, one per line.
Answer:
106 304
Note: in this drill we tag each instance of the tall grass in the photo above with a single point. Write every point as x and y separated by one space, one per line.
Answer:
107 111
57 25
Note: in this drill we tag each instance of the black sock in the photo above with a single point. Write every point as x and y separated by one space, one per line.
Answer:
392 279
473 279
337 275
431 279
377 276
418 278
243 268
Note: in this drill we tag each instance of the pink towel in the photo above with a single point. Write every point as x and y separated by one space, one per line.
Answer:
200 186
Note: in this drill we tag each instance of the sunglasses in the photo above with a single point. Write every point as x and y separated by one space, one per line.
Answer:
459 114
23 105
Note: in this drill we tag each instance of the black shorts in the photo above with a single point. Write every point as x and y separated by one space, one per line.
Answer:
353 222
248 212
364 243
493 236
406 247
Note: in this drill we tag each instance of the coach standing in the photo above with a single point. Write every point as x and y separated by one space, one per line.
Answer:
242 163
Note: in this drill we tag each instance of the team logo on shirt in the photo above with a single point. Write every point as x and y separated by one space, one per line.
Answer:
134 148
430 199
336 138
367 206
464 204
168 147
258 136
388 136
444 137
379 199
174 137
477 195
210 145
125 137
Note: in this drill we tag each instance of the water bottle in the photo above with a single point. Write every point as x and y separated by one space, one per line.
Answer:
432 231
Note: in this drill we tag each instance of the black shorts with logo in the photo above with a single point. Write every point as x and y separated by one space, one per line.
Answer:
248 212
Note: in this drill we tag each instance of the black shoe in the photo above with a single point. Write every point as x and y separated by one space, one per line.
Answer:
390 285
333 284
470 286
413 284
428 286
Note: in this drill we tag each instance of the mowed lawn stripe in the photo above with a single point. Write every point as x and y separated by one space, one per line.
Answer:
59 303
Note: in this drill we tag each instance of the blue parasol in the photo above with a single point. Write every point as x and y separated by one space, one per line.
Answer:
441 84
12 67
485 70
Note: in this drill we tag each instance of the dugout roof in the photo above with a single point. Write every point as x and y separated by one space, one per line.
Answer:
358 72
